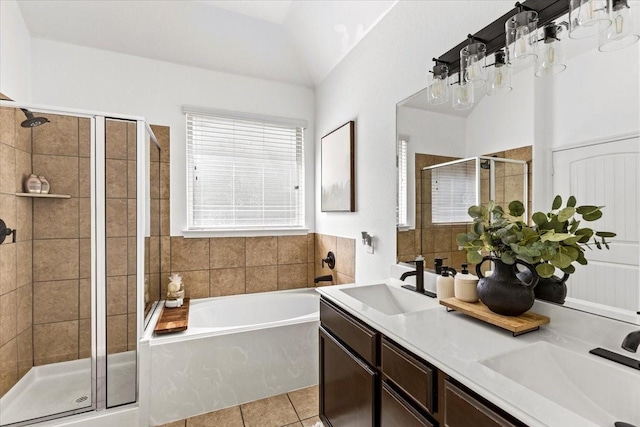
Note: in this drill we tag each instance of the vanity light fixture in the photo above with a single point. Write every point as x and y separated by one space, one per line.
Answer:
550 59
499 75
438 92
521 37
588 17
621 32
463 96
473 62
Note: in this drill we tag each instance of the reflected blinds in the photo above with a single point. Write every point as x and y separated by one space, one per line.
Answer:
401 219
453 189
244 173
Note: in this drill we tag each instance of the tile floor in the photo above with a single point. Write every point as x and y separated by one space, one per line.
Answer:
295 409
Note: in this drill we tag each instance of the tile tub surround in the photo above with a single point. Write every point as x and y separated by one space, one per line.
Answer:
16 280
296 408
198 372
457 344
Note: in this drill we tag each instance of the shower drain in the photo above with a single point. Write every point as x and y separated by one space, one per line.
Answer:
81 399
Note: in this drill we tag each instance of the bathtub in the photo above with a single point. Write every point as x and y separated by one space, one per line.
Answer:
237 349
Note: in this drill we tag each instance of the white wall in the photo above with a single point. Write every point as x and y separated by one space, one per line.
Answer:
501 122
92 79
15 52
431 133
387 66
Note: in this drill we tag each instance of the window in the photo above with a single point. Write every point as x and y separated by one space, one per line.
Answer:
401 164
453 190
244 172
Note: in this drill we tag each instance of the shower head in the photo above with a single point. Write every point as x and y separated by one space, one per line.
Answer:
485 164
31 121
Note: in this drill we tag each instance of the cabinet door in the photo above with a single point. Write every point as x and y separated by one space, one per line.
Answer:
396 412
347 386
461 409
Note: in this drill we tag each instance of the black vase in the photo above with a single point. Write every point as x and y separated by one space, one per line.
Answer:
503 292
553 289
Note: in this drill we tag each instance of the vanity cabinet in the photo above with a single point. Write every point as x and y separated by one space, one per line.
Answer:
368 380
349 380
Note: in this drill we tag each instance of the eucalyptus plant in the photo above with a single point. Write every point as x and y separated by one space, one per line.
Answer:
554 240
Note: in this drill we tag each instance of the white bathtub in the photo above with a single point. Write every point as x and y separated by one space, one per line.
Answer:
237 349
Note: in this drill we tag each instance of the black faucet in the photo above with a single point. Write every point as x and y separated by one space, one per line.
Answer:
327 278
631 341
419 273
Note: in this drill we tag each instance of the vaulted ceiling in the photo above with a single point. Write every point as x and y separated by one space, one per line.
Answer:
292 41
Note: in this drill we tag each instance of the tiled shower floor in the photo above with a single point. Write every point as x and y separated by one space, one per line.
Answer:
295 409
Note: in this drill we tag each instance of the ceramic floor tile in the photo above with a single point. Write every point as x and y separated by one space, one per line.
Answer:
298 424
273 411
229 417
305 402
180 423
312 422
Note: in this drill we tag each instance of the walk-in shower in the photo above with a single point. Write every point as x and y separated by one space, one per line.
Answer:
71 289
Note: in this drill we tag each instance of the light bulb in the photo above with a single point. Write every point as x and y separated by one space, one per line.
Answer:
522 33
550 56
499 78
619 21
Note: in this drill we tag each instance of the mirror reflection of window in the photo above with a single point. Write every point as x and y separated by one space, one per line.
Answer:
453 190
402 220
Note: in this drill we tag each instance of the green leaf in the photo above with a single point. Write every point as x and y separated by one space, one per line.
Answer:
545 270
516 208
462 239
557 202
508 258
571 202
605 234
475 211
539 218
592 216
586 209
474 257
569 270
565 214
574 226
478 228
581 259
561 260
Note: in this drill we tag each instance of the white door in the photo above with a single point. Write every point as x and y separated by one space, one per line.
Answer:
605 174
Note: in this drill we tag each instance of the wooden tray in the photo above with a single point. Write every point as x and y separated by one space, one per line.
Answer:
526 322
173 319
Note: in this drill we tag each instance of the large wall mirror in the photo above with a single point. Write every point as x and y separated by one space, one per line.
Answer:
578 130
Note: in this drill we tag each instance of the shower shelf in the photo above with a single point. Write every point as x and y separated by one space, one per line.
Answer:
44 196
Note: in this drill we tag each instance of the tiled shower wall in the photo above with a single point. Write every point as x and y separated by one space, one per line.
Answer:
16 284
237 265
439 240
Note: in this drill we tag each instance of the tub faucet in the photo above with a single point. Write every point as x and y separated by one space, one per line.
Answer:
327 278
631 341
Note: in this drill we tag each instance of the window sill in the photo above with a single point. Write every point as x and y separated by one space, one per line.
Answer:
257 232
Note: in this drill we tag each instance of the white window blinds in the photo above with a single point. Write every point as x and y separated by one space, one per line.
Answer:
401 219
453 189
243 173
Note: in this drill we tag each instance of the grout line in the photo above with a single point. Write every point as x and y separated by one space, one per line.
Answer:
294 407
241 415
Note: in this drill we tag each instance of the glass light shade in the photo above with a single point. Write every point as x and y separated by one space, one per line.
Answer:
438 92
463 97
499 80
550 59
620 33
521 38
588 17
473 62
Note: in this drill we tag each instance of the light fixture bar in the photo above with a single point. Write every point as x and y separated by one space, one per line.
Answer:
493 35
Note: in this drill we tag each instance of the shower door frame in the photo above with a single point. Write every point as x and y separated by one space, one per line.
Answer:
99 252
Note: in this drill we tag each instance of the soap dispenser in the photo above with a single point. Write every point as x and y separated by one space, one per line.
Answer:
466 286
444 284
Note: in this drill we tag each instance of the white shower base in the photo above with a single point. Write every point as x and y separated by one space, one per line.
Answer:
66 386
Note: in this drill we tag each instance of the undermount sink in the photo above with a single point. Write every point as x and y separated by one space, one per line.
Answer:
389 300
597 390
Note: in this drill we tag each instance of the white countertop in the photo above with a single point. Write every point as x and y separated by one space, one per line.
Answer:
456 344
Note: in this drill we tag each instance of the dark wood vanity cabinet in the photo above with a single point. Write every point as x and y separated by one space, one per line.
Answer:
349 380
367 380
